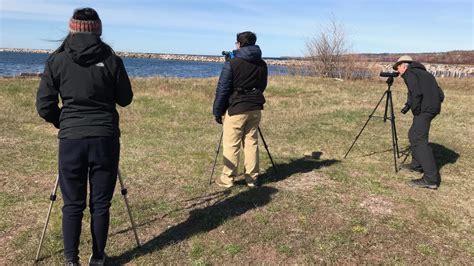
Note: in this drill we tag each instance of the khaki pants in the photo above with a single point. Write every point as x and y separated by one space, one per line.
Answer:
241 130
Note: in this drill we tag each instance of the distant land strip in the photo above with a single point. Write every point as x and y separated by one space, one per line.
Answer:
178 57
443 64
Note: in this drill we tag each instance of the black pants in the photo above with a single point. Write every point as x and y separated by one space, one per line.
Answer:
96 158
422 155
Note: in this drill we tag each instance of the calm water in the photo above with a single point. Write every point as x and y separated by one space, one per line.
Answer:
12 64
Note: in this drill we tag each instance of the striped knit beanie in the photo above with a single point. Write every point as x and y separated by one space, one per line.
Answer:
90 26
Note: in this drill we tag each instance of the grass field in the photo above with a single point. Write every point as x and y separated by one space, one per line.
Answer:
319 208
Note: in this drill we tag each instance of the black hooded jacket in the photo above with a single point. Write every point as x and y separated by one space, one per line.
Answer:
424 94
242 82
90 79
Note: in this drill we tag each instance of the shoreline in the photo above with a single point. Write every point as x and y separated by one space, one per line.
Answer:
174 57
438 70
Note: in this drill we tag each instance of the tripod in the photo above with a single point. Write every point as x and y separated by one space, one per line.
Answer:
219 147
388 104
52 198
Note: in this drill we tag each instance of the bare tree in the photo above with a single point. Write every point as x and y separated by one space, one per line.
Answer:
328 51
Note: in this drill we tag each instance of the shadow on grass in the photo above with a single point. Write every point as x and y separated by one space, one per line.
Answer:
442 155
202 220
302 165
375 152
192 203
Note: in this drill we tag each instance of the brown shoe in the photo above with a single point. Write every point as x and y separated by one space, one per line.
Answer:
222 184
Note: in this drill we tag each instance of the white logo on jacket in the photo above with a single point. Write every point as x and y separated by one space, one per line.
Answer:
100 64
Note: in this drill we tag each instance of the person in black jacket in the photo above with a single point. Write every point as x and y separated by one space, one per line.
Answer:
90 80
424 99
239 99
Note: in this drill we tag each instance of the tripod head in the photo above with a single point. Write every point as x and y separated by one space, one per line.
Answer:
390 76
389 82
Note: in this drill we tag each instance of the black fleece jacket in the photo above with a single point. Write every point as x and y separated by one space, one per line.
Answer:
424 94
90 80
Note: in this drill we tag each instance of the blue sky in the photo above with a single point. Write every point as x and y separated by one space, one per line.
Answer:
282 27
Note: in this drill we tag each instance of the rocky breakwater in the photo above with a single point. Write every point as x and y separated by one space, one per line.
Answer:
442 70
202 58
26 50
298 64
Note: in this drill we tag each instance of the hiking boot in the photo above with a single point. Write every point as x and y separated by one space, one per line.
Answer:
408 167
96 262
222 184
422 183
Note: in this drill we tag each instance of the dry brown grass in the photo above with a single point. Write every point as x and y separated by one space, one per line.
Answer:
319 209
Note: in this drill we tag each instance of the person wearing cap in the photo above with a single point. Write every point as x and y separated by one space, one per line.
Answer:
90 80
238 104
424 100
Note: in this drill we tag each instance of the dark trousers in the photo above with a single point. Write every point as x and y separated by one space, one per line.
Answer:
422 155
96 158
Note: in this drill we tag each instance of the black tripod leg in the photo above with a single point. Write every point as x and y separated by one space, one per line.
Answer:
215 159
394 147
396 139
366 122
389 99
394 136
406 156
268 151
52 198
394 128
